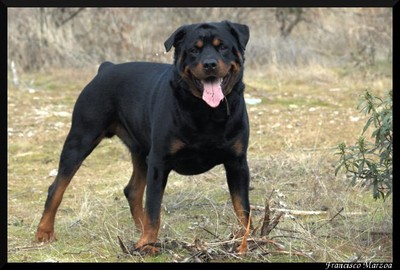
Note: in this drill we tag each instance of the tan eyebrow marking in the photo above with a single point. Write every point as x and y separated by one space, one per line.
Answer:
216 42
199 44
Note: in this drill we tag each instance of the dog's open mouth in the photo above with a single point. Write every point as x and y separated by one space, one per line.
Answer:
212 88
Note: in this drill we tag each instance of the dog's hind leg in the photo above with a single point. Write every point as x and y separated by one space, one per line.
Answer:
78 145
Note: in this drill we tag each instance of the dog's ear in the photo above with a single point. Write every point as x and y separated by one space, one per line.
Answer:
241 32
175 38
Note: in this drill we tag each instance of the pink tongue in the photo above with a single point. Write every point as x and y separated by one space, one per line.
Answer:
212 93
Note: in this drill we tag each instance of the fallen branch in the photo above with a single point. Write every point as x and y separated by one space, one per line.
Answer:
303 212
297 253
35 247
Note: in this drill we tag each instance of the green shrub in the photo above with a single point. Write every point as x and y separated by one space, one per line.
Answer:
372 162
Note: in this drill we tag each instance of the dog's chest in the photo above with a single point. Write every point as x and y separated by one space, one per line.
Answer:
197 159
198 146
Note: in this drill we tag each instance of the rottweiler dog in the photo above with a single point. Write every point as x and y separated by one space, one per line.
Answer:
188 117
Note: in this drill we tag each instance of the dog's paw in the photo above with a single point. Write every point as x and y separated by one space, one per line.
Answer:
45 235
147 250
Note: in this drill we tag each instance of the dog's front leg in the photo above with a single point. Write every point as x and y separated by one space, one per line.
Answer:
157 176
237 174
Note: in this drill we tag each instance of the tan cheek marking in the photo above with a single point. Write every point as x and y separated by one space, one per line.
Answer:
235 67
223 68
198 70
186 72
186 76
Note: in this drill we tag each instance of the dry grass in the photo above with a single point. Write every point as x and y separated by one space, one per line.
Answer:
303 116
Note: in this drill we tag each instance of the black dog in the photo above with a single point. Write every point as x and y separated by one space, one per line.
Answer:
187 117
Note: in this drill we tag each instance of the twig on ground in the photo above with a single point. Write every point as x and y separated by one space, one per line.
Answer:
77 253
122 245
274 223
330 220
213 234
266 220
340 211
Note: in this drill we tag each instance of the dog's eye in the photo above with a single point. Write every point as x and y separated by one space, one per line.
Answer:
223 48
194 51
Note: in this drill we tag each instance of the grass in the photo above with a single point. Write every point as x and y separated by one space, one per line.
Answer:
304 115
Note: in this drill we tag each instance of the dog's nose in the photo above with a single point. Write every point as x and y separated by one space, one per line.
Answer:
210 64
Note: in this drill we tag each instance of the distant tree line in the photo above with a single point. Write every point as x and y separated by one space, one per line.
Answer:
43 38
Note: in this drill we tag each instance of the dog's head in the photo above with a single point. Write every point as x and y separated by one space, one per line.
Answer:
210 57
